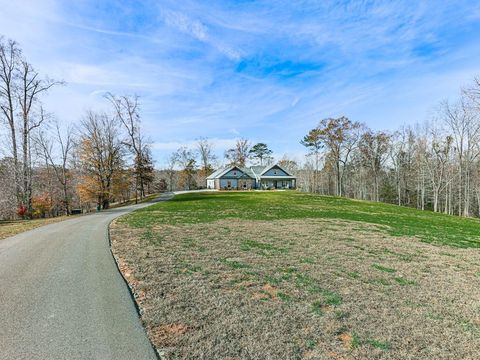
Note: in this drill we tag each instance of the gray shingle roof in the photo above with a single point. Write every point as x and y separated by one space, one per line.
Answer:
254 172
257 170
217 173
220 172
248 171
275 165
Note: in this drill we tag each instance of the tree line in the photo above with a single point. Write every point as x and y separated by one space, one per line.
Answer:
48 168
434 165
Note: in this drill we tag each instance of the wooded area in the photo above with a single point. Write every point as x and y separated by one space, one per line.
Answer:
48 168
434 165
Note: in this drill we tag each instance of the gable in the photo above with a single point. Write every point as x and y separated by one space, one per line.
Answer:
275 171
234 173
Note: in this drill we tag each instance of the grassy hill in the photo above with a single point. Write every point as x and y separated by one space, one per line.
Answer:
293 275
401 221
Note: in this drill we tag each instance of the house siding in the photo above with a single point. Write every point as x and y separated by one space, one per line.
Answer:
228 183
275 171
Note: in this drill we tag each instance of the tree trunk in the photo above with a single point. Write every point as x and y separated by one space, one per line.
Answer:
105 204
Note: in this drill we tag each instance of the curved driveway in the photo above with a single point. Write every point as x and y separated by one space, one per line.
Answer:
61 296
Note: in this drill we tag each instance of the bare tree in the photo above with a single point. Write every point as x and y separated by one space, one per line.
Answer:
397 153
314 143
64 145
465 127
373 148
101 157
127 111
10 55
204 148
288 164
31 86
239 154
20 91
186 161
171 172
340 136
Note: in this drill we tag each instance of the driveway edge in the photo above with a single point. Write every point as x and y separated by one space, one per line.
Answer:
131 291
164 197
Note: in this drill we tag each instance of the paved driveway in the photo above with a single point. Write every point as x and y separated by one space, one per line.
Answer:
61 296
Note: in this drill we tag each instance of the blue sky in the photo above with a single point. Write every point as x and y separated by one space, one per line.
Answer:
264 70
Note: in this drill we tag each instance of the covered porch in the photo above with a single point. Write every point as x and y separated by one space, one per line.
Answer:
283 182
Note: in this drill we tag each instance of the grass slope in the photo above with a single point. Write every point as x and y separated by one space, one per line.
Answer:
286 275
401 221
14 227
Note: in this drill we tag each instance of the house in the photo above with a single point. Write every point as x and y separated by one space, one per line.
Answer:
254 177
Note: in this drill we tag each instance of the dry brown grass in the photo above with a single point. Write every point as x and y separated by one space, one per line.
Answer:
10 228
14 227
300 289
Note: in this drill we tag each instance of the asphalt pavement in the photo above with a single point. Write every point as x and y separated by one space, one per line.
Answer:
62 297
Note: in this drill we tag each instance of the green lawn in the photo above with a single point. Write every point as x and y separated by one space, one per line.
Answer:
288 275
401 221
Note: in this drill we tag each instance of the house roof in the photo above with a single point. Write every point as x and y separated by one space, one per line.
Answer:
275 165
248 171
255 172
220 172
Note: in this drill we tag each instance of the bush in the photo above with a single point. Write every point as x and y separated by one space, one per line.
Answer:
22 211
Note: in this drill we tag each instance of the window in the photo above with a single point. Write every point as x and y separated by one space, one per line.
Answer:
234 173
229 184
274 172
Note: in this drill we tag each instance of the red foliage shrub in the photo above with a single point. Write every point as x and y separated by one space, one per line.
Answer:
21 211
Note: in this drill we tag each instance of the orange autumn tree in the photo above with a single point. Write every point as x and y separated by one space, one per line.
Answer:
123 182
101 159
42 204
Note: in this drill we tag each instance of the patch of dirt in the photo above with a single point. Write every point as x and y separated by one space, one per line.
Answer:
346 340
167 335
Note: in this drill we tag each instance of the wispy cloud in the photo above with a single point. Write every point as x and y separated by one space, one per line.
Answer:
198 31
